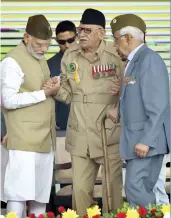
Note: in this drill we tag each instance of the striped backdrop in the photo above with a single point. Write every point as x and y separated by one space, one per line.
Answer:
14 16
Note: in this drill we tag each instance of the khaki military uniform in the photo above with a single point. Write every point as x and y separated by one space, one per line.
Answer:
87 87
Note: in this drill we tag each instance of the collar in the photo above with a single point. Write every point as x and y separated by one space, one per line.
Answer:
99 50
131 55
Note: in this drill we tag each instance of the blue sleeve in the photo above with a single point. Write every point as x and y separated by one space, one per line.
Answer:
155 95
3 126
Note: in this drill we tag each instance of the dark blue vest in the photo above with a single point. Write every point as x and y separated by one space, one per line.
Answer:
62 110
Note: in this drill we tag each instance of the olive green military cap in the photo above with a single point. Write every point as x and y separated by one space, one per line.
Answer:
124 20
39 27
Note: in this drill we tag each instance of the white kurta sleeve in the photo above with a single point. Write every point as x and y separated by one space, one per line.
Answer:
11 79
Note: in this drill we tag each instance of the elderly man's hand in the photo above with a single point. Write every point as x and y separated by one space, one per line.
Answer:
115 87
141 150
56 79
113 114
51 86
48 84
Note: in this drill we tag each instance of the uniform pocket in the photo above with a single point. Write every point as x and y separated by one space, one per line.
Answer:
113 131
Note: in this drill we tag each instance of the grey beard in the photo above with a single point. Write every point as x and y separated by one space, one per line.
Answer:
33 53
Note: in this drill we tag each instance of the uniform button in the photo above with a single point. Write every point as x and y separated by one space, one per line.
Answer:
87 131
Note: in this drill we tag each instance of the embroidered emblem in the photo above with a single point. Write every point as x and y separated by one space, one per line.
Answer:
114 21
72 67
129 80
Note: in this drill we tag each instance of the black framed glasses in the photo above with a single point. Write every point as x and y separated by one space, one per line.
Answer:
63 42
86 30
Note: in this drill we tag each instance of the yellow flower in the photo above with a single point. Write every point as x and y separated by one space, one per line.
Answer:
165 208
93 211
11 215
69 214
132 213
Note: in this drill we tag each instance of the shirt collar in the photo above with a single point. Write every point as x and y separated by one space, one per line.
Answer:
99 50
131 55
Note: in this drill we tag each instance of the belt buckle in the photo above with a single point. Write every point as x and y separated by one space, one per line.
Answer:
84 99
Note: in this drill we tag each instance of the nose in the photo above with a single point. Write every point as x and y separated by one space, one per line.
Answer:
82 33
67 45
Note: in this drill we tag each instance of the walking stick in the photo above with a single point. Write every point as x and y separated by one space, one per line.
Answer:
106 166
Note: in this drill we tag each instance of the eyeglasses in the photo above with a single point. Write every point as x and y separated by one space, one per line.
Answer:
86 30
117 38
63 42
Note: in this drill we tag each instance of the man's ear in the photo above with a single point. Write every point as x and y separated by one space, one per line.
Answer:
26 38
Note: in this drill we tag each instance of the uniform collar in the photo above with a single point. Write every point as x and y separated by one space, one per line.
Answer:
99 50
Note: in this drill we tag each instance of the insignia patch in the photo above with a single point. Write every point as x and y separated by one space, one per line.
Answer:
129 80
114 21
72 67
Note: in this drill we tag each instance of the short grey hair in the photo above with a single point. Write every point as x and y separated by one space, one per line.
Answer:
134 32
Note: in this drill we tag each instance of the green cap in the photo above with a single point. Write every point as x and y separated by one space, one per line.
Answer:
125 20
39 27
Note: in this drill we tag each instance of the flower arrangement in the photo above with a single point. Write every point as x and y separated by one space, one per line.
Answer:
127 211
31 215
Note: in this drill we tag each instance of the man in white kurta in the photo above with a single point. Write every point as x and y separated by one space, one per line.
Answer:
29 114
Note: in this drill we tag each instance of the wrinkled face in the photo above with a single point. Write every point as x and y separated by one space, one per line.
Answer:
36 47
90 35
122 44
65 40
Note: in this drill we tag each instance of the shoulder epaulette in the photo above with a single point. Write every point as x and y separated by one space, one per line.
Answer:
72 48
